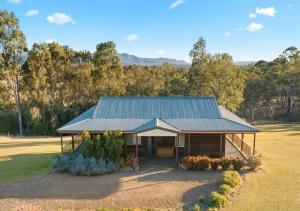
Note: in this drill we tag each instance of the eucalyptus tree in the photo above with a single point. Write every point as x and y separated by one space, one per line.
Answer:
12 47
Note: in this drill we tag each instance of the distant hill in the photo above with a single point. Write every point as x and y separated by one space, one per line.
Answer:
127 59
242 63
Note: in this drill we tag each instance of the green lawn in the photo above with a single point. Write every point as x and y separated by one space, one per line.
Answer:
23 159
277 186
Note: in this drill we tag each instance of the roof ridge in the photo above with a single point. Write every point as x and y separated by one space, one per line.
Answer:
157 97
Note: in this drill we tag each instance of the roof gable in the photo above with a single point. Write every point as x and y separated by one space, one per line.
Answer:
156 123
157 107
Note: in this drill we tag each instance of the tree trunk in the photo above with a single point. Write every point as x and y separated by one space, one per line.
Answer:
252 113
18 106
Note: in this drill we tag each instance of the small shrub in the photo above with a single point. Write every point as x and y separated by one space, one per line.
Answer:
237 163
60 163
28 207
195 162
225 189
255 161
201 199
217 200
231 178
196 207
214 163
132 161
225 163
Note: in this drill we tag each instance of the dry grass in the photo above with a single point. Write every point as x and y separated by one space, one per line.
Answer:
25 158
277 185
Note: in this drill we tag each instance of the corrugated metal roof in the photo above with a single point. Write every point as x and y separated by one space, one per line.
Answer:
85 115
157 107
183 114
156 123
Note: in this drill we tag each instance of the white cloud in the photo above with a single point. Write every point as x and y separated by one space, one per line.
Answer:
252 15
49 41
32 13
14 1
254 27
60 18
161 52
132 37
176 4
227 34
268 11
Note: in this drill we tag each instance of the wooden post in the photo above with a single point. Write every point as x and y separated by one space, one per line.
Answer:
61 143
189 144
176 145
137 147
73 146
221 142
254 139
242 144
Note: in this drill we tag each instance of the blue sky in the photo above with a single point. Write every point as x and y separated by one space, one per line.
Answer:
247 29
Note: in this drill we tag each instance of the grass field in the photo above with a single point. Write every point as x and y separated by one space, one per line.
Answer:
23 159
275 187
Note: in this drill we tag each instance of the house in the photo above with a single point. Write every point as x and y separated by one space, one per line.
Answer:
172 126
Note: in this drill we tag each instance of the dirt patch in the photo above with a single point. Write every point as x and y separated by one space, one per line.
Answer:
150 188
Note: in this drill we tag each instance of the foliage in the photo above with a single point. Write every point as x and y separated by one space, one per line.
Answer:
132 160
225 163
237 163
79 165
214 163
225 189
195 162
201 199
231 178
217 200
255 161
196 207
108 146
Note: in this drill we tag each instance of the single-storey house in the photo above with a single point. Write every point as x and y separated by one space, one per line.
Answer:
173 126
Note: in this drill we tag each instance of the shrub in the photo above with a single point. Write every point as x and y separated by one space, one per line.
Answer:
231 178
225 163
196 207
237 163
201 199
225 189
255 161
195 162
214 163
79 165
60 163
217 200
132 161
28 207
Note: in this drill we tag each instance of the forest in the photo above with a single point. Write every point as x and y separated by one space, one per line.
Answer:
45 86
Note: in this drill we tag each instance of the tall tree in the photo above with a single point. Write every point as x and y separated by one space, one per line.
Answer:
108 74
12 46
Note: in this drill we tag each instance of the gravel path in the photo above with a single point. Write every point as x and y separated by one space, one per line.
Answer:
150 188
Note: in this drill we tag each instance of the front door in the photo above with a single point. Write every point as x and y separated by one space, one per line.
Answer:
164 147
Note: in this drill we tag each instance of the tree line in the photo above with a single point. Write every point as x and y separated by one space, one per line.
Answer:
47 85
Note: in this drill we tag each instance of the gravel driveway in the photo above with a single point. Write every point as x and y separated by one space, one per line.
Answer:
149 188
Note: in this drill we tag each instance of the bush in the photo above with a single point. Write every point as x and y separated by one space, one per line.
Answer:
195 162
108 146
225 163
225 189
217 200
132 161
79 165
255 161
201 199
214 163
231 178
237 163
196 207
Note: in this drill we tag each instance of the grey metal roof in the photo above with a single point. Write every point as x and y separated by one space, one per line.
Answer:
182 114
157 107
155 123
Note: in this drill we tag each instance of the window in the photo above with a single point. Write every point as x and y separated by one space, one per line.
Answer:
181 140
131 139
